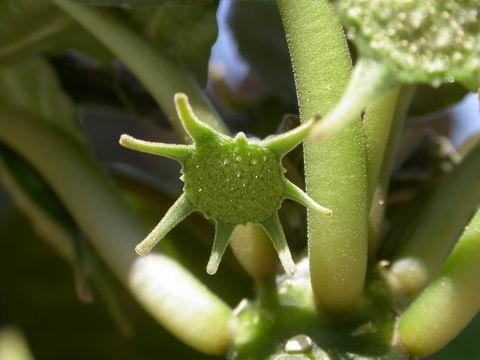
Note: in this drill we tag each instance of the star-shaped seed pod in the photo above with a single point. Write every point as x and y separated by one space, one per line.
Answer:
231 181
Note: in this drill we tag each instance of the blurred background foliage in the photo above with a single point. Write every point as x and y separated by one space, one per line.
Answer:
52 67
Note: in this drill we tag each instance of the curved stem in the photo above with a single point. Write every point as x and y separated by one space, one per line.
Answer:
425 242
166 290
161 76
383 124
450 302
335 168
378 123
370 80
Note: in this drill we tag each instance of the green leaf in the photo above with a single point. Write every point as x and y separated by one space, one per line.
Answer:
184 32
33 86
28 30
28 27
12 8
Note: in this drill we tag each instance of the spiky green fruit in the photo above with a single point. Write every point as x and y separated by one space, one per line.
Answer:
230 180
427 41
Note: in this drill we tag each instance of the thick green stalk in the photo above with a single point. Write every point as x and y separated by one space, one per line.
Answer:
403 102
378 123
335 168
425 243
161 76
383 124
450 302
171 294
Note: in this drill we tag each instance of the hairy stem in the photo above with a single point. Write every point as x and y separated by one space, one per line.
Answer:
425 242
171 294
335 168
161 76
450 302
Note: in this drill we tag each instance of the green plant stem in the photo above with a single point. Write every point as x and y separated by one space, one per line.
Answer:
404 100
335 168
160 75
450 302
425 242
370 80
171 294
378 123
383 123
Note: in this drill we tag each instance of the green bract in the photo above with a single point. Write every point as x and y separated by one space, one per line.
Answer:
230 180
429 41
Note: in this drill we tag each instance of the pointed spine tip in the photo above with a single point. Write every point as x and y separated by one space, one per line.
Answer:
124 138
180 97
140 250
241 137
212 267
287 262
323 210
291 269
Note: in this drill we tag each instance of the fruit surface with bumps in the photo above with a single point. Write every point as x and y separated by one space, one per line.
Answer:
428 41
234 180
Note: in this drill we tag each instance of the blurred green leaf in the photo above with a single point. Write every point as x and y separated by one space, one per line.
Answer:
32 86
183 30
258 31
9 9
24 32
31 26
